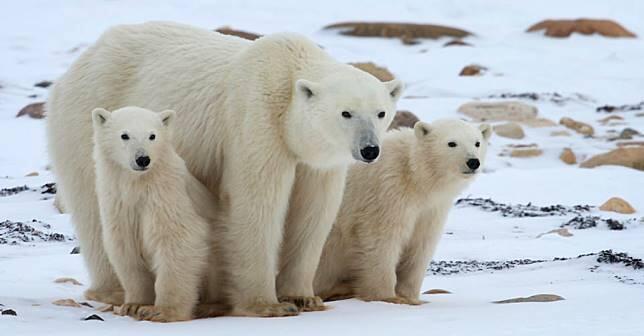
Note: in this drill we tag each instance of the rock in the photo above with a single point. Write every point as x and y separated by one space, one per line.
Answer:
377 71
106 308
632 157
75 250
559 133
437 291
239 33
568 156
627 134
44 84
616 204
473 70
579 127
408 33
539 122
564 28
456 43
621 108
499 111
9 312
68 280
510 130
32 174
533 298
525 152
93 317
561 231
33 110
403 119
610 118
67 303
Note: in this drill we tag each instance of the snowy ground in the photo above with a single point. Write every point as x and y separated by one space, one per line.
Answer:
40 39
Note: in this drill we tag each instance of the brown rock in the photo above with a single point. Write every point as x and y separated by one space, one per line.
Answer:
539 122
564 28
403 119
32 174
616 204
510 130
533 298
579 127
568 156
499 111
67 303
239 33
525 152
68 280
559 133
437 291
632 157
377 71
33 110
408 33
630 143
456 43
472 70
610 118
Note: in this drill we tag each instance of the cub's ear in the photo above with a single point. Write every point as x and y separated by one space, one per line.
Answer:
167 117
100 116
395 88
486 130
307 88
421 129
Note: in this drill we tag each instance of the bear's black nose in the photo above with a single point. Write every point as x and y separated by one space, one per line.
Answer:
143 161
473 163
370 153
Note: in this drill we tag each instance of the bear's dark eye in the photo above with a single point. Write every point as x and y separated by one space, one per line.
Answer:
346 115
477 144
152 137
124 136
381 114
451 144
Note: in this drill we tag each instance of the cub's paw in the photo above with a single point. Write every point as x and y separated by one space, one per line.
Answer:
128 309
305 303
110 297
267 310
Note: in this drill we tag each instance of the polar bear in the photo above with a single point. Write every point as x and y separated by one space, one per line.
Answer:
393 212
155 235
269 126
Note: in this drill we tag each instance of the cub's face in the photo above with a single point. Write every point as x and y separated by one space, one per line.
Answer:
347 114
454 147
133 137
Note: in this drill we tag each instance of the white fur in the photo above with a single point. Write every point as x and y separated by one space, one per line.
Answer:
393 212
255 120
153 233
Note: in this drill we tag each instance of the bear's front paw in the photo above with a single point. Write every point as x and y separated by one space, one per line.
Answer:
267 310
161 314
305 303
128 309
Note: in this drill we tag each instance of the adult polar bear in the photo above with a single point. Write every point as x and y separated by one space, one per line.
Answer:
258 123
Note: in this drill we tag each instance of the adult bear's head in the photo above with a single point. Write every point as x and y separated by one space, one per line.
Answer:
341 117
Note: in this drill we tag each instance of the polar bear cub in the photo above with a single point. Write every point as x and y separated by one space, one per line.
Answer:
155 232
394 210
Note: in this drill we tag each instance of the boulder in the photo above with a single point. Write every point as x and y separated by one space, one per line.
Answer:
473 70
619 205
403 119
408 33
564 28
632 157
510 130
577 126
568 156
377 71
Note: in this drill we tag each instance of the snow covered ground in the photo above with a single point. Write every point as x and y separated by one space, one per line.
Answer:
40 39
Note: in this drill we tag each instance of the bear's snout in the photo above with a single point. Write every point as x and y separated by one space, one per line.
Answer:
143 161
473 164
370 153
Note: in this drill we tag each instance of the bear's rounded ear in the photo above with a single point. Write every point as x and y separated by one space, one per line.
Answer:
100 116
395 88
486 130
307 88
421 129
167 117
